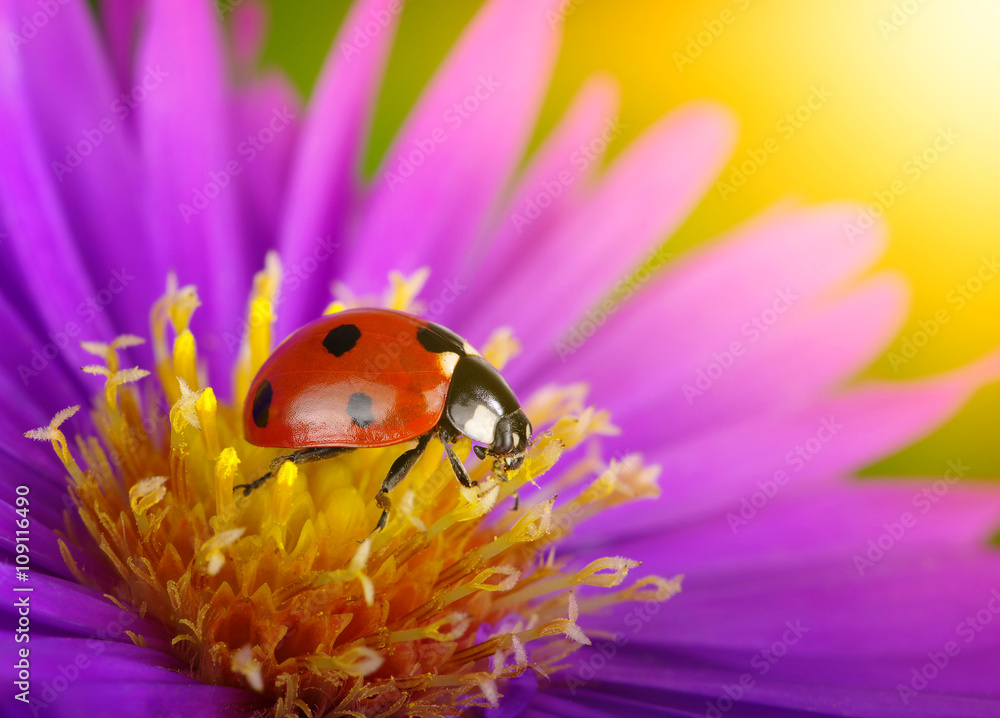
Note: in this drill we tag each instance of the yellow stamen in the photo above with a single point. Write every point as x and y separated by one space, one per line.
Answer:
206 408
52 433
403 290
185 358
284 488
225 479
288 593
501 347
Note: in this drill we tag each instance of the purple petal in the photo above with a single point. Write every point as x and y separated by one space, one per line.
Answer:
74 676
263 183
248 30
522 222
649 680
194 167
643 197
40 232
43 543
120 22
35 371
90 156
798 559
325 178
829 437
810 347
701 303
464 139
66 606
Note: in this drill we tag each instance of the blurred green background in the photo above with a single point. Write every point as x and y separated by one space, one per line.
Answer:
898 73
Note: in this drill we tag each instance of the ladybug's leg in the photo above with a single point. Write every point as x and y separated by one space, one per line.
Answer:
302 456
456 464
400 468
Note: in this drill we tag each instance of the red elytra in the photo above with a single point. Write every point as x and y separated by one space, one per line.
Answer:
378 377
301 397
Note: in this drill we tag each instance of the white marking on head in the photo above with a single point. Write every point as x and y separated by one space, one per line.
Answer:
448 361
517 440
482 426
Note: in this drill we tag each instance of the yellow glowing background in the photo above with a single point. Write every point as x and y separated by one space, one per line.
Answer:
887 80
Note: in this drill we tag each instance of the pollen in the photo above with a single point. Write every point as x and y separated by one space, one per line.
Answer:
288 593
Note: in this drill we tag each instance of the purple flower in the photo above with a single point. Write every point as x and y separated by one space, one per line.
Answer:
130 152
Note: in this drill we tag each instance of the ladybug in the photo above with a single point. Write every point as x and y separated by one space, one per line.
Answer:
377 377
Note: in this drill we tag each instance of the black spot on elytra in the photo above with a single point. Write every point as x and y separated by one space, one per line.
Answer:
359 408
342 339
437 339
262 403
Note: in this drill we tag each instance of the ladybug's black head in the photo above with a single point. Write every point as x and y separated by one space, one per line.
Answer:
512 437
510 441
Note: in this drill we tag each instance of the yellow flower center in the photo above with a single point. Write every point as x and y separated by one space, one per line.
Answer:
287 592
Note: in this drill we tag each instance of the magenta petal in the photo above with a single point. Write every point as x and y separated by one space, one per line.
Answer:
262 186
249 28
643 679
44 542
90 155
517 226
645 194
326 174
193 164
111 680
67 606
829 437
801 567
35 371
120 20
801 252
40 233
812 347
458 148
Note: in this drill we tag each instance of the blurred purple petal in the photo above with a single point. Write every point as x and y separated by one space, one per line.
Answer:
325 182
120 20
457 150
524 221
102 679
639 201
191 199
67 606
